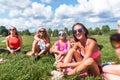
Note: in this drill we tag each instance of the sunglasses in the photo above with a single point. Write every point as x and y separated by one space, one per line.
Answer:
115 40
62 34
79 30
12 29
42 31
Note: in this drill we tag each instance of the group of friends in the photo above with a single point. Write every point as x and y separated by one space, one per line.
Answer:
74 56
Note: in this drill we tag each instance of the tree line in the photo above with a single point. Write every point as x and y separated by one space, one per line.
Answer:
105 30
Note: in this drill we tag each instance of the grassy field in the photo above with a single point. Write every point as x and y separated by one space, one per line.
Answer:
23 67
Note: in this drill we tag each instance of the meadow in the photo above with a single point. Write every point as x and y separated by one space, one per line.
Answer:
23 67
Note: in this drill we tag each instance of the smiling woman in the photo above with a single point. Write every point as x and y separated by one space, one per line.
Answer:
85 52
13 41
41 44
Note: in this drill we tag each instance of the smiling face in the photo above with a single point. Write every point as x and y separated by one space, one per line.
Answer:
62 34
12 30
42 32
78 32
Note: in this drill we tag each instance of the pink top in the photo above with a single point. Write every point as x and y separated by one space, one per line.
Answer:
94 55
64 48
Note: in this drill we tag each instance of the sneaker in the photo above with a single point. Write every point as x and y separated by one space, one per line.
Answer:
57 75
2 60
37 58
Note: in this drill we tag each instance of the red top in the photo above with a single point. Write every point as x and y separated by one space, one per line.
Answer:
13 42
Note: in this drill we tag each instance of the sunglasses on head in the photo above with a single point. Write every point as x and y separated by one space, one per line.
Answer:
115 40
62 34
79 30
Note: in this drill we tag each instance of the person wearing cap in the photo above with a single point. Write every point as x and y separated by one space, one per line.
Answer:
112 72
13 41
60 47
41 44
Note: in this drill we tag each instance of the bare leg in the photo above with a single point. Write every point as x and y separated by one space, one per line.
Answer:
72 54
34 46
69 56
111 77
77 56
87 65
47 47
112 69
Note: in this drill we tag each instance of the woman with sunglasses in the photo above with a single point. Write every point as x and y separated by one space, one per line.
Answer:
13 41
112 72
41 44
60 47
87 59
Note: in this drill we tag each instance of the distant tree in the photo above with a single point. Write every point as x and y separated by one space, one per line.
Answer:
69 32
50 32
55 33
113 31
97 31
66 30
91 31
26 32
3 31
105 29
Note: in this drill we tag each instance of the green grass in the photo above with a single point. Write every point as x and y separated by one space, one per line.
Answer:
23 67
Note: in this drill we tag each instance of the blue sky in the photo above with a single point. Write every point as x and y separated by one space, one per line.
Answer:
57 14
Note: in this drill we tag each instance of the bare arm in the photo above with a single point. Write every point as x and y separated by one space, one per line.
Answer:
36 37
54 48
7 43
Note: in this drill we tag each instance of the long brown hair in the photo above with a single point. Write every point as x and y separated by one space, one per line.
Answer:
86 31
16 32
46 36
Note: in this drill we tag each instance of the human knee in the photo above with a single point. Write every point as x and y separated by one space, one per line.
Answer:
106 68
47 45
89 62
71 51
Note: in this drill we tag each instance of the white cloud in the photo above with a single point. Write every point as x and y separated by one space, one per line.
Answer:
48 1
93 19
15 13
115 7
31 15
15 22
40 10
